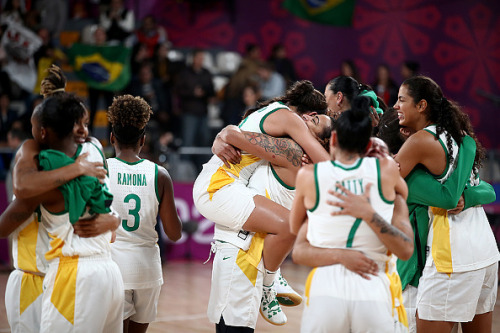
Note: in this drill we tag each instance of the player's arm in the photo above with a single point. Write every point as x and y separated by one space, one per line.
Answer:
398 241
96 225
305 254
426 190
29 182
170 220
16 213
304 187
420 148
278 151
286 123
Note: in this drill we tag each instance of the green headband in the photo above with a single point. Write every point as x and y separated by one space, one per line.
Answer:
373 97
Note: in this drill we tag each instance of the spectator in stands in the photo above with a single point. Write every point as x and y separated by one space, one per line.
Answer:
194 89
139 56
7 118
283 64
349 68
54 14
13 10
149 88
118 21
271 83
409 69
384 86
100 39
150 34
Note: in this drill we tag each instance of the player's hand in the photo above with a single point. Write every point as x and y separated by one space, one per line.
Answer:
306 159
375 117
92 169
358 206
459 208
359 263
96 225
226 152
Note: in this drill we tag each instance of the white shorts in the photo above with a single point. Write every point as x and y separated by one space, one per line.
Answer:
410 303
339 300
457 297
23 301
83 295
141 304
232 295
230 206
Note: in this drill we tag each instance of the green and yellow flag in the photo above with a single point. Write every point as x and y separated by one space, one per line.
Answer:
101 67
333 12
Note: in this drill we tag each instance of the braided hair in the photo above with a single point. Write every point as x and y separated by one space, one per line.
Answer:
54 83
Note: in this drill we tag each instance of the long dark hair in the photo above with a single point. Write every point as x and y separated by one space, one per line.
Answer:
347 85
301 95
447 115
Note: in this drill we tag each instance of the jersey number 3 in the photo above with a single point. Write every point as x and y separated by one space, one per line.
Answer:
132 212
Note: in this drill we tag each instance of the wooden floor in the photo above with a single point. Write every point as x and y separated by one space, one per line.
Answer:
184 298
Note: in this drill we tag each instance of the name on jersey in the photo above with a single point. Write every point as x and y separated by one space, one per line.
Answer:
131 179
353 185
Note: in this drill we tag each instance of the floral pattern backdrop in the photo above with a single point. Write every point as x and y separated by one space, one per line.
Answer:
457 42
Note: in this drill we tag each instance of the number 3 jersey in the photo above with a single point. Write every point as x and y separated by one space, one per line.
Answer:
136 199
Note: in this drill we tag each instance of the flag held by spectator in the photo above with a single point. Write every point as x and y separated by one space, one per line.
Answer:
101 67
332 12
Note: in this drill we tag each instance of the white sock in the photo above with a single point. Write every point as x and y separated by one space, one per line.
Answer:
269 278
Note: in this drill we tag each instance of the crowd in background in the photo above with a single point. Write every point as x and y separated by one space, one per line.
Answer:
192 92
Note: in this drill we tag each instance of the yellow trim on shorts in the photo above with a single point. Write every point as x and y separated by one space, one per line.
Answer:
441 245
308 284
222 176
55 248
26 247
31 288
64 293
395 288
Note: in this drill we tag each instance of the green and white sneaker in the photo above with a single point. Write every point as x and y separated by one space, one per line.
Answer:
285 294
270 309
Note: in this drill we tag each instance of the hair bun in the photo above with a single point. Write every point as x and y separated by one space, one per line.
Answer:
360 108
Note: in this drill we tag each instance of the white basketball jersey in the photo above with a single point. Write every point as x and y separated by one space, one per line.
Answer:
64 242
136 199
345 231
267 183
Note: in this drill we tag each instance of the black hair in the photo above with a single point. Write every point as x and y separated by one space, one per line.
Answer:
447 115
354 126
388 130
60 113
302 95
347 85
128 116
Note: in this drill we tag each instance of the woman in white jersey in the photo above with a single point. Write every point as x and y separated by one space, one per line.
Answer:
142 190
339 300
459 281
29 238
85 263
219 183
234 306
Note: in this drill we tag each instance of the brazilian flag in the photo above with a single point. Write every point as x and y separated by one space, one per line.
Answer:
101 67
332 12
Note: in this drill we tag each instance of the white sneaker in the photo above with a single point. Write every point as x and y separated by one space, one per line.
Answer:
285 294
270 309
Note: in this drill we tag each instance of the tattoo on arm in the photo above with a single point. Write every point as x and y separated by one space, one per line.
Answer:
386 228
279 146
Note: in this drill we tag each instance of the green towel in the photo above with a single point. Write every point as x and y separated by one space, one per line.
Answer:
80 192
